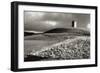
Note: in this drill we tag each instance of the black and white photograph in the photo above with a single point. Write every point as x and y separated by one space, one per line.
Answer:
56 36
52 36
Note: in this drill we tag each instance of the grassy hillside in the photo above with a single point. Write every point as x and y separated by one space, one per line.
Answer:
78 48
69 30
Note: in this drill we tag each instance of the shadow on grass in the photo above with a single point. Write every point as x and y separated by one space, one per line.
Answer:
34 58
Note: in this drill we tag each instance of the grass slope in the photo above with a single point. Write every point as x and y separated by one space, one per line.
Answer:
78 48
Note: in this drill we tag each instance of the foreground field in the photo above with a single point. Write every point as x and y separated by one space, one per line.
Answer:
54 46
78 48
37 42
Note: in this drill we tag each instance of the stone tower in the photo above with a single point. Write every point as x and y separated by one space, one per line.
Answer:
74 24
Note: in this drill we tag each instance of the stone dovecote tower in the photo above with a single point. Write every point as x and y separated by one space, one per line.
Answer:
74 24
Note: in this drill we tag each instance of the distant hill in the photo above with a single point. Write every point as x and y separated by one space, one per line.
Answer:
28 33
69 30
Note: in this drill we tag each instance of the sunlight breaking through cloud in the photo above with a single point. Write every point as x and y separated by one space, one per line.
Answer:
53 23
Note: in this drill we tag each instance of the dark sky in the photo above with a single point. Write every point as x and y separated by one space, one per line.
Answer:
43 21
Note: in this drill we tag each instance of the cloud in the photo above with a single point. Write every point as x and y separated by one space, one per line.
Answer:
43 21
